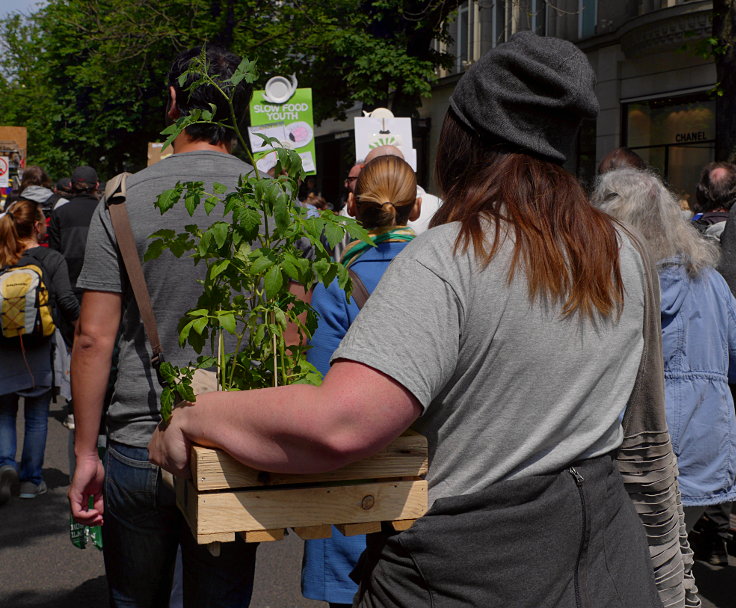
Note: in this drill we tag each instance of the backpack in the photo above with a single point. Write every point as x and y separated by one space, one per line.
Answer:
26 316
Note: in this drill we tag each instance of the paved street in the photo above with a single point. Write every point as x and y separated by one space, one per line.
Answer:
40 568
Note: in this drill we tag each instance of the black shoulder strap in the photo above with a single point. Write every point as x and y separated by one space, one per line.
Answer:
360 293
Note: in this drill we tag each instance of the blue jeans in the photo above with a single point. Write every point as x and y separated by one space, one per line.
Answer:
36 410
143 528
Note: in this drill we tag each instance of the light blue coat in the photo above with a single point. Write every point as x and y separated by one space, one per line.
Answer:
699 345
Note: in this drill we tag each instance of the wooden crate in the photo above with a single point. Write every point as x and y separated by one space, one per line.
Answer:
225 498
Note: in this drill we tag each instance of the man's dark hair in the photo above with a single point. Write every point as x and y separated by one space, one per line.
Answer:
717 187
221 65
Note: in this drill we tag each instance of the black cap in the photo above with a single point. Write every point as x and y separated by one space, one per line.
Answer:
84 175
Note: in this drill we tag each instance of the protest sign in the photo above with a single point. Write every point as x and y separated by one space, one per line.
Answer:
291 122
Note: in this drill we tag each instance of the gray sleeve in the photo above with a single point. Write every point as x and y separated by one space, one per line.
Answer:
101 269
409 330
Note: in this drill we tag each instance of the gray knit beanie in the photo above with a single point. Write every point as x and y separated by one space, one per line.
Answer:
531 93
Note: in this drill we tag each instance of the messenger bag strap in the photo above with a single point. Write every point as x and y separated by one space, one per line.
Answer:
360 293
114 200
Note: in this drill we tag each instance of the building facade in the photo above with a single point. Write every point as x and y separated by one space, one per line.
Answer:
655 82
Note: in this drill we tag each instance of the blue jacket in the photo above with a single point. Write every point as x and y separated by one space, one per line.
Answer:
328 562
699 345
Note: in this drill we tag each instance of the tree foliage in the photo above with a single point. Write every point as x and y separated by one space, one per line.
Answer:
87 77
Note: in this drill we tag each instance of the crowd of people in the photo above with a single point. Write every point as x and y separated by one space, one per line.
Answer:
568 356
43 231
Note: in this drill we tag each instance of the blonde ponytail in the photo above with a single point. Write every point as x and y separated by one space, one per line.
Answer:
385 193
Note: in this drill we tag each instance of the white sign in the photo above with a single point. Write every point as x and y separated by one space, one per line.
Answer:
4 172
373 132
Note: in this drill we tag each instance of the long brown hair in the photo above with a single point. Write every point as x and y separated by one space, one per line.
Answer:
15 225
385 192
568 249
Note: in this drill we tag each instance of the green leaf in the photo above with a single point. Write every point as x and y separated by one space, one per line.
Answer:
281 214
219 188
155 249
321 269
198 325
260 265
184 333
164 233
186 392
273 281
227 322
168 198
219 268
210 203
288 265
334 234
191 201
167 404
220 231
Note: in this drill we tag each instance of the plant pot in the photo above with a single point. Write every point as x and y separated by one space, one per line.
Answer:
225 498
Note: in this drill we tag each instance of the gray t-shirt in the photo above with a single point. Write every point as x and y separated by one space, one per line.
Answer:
172 282
509 387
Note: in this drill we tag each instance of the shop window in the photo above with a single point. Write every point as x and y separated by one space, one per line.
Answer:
675 135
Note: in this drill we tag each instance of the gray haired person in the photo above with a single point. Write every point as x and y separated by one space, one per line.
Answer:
698 339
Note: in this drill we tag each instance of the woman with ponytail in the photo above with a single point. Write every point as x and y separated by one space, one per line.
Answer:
26 369
385 199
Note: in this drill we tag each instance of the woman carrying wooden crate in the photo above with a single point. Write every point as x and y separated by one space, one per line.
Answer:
514 335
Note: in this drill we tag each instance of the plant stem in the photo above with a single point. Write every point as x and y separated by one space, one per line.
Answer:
221 360
275 355
234 358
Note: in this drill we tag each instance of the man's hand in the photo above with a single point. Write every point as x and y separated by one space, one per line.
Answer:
169 448
88 477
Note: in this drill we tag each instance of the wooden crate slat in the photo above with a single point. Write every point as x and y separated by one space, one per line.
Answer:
406 456
355 529
402 525
263 536
313 532
251 510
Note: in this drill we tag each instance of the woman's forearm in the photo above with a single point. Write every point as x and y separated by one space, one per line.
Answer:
299 428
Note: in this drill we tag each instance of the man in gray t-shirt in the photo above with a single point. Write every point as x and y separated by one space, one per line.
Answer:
142 525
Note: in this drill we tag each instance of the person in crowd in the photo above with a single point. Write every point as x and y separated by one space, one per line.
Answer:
715 195
620 158
70 222
142 525
315 201
349 184
36 186
511 338
384 202
430 202
26 369
698 338
63 188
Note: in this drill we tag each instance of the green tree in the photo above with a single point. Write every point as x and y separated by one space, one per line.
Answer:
87 76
